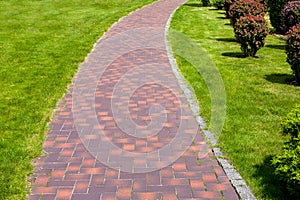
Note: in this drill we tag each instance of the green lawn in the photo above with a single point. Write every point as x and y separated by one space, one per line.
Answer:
41 46
257 96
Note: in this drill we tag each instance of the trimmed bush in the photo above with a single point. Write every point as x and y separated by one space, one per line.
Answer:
205 3
264 3
290 15
287 167
245 7
292 51
251 32
275 7
291 123
227 4
287 164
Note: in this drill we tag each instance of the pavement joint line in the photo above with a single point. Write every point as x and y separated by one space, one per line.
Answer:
113 189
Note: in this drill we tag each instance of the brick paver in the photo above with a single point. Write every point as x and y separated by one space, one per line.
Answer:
69 171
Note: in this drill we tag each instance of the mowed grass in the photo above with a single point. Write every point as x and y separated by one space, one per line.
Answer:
41 46
257 96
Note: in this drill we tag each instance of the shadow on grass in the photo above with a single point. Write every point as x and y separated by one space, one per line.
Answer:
272 188
275 46
280 78
193 4
226 39
233 54
221 17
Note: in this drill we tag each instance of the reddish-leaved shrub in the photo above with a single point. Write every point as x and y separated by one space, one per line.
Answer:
245 7
274 8
264 3
227 4
292 51
290 15
251 32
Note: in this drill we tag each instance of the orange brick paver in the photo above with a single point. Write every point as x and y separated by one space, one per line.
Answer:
70 171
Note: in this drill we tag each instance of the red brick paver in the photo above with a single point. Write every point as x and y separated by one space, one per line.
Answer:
70 171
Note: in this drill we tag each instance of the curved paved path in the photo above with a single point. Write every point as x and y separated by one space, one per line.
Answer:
70 169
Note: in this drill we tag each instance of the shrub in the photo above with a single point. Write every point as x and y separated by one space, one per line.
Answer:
291 123
287 164
245 7
264 3
292 51
205 2
275 7
219 4
251 31
227 4
287 167
290 15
